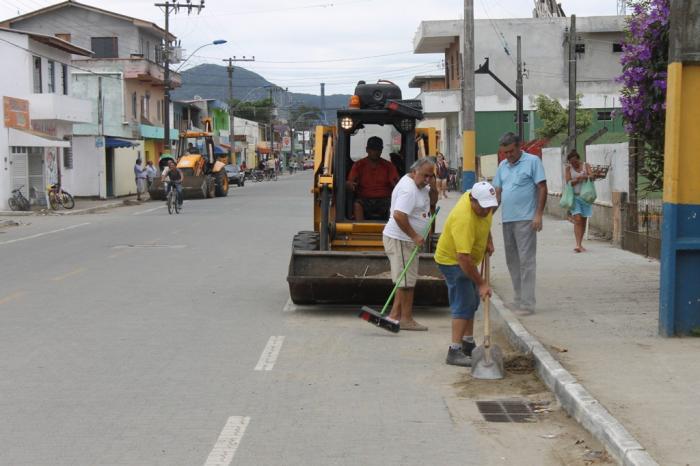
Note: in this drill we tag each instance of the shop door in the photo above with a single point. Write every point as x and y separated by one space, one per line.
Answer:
109 168
37 184
19 169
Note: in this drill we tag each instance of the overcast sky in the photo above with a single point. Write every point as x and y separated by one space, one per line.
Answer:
300 43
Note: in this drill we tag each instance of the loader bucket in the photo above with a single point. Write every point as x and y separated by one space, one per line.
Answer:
332 277
196 187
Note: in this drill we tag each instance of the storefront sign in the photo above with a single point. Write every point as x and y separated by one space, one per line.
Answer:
16 113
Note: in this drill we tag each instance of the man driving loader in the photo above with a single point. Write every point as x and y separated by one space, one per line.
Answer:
372 179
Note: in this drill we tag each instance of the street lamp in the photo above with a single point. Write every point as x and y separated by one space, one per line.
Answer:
216 42
166 83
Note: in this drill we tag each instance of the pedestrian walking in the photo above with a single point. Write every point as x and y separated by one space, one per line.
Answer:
442 170
150 173
465 239
521 187
576 173
140 178
411 200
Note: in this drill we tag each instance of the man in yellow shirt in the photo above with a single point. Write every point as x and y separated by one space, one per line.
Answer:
465 238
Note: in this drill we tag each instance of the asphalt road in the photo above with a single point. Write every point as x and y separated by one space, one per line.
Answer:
134 337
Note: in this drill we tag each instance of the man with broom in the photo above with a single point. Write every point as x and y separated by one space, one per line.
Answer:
465 239
411 200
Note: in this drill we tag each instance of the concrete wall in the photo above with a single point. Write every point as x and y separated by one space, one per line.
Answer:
124 160
615 155
88 175
86 85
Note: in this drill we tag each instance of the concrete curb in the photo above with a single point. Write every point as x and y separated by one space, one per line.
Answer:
573 396
87 210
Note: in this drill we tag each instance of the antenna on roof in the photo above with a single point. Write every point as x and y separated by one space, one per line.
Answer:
622 7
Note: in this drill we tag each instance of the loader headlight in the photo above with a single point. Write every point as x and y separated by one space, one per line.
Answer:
407 124
346 123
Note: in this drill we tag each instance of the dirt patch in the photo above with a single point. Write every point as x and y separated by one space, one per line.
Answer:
519 363
511 385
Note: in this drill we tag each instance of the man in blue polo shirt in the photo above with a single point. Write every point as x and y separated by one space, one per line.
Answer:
521 188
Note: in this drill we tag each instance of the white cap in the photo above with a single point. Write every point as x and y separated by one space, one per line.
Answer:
485 194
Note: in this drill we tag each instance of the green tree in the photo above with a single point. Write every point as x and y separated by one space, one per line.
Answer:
555 117
255 111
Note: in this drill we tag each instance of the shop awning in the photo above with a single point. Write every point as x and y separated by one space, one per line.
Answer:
116 143
28 138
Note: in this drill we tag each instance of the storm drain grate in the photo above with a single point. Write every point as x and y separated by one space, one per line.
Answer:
506 411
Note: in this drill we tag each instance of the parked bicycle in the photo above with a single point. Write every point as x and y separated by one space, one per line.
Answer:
174 203
258 175
60 198
18 201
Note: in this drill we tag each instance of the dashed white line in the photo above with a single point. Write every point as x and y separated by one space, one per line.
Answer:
39 235
290 306
149 210
270 354
228 441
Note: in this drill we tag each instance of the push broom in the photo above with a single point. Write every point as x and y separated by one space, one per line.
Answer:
378 318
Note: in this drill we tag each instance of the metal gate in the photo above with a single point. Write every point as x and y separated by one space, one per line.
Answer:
19 169
642 227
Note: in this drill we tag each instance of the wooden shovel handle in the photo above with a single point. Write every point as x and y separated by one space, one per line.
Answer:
487 321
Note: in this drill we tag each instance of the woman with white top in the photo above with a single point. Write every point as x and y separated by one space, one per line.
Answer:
576 173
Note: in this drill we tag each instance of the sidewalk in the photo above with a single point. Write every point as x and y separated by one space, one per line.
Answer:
82 206
597 314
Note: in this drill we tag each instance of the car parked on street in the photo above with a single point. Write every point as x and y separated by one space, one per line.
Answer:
235 175
308 164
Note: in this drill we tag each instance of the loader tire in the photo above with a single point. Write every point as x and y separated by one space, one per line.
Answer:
306 241
221 188
211 187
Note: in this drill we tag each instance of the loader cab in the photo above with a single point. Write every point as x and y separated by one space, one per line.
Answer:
374 110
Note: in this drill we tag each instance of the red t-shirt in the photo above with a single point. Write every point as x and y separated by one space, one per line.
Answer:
375 179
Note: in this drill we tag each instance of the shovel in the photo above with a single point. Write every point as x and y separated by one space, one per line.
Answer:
487 359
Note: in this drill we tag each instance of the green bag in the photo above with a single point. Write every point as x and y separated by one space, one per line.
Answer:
588 193
567 197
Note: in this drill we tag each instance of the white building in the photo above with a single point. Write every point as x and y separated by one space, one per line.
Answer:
39 113
545 57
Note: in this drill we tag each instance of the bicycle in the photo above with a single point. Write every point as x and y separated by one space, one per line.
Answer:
58 197
18 201
258 175
172 198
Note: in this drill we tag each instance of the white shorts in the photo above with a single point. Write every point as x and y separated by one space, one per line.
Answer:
399 252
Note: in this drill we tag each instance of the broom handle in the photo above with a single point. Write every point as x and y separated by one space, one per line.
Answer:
487 320
410 260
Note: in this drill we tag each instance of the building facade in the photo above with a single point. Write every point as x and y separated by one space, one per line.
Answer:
545 54
123 78
39 111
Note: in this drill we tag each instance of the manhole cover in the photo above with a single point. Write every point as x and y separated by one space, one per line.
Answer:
506 411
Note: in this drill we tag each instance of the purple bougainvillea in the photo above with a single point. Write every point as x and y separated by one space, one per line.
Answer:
644 64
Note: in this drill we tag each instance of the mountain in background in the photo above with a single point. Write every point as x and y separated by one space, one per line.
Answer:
211 82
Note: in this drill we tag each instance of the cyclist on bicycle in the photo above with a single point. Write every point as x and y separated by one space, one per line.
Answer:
174 177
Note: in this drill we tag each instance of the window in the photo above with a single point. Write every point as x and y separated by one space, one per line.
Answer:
617 48
67 157
143 107
104 47
52 77
147 97
37 75
133 105
63 36
64 78
605 116
160 108
580 48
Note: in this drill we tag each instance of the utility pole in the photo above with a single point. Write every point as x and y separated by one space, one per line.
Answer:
232 119
571 141
468 99
679 296
171 7
519 91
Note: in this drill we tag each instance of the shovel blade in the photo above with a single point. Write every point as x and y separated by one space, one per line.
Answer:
487 363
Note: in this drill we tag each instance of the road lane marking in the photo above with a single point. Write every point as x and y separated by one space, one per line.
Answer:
68 274
149 210
290 306
270 354
11 297
39 235
228 441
